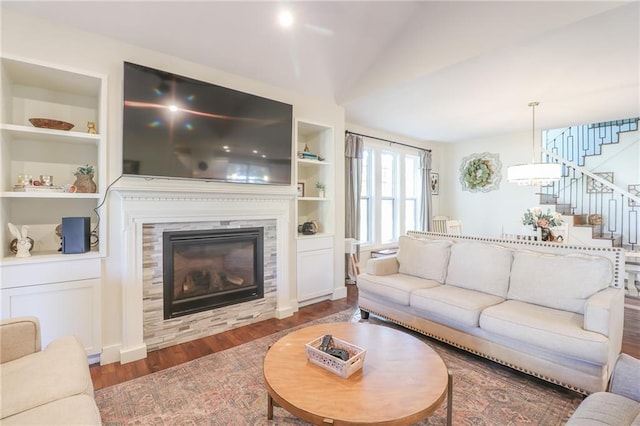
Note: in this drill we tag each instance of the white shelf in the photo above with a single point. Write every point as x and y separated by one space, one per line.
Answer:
61 195
316 235
304 161
20 132
314 199
47 256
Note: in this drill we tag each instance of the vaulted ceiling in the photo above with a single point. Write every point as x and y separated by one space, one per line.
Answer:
443 71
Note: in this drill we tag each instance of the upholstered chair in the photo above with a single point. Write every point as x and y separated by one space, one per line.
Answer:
620 405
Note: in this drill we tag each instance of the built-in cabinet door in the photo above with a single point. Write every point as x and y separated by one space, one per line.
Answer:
315 269
69 308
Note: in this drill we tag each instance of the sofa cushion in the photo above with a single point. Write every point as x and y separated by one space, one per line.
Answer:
74 410
423 258
551 329
396 288
458 304
480 266
605 408
558 281
59 371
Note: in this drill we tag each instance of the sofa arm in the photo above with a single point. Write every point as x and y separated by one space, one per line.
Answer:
626 376
19 337
604 312
382 265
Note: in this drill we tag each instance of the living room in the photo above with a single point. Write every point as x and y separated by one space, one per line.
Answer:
113 295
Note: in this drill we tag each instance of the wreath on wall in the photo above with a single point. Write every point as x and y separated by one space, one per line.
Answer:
480 172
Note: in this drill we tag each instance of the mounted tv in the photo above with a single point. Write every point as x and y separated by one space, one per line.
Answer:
178 127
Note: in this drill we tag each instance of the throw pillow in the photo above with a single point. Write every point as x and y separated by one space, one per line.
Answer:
558 281
423 258
480 266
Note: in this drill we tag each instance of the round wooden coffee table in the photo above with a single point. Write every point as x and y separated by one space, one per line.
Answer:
402 380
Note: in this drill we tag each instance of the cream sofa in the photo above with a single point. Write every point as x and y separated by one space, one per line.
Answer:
52 386
550 310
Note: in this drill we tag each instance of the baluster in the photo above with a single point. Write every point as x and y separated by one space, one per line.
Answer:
633 227
621 219
612 216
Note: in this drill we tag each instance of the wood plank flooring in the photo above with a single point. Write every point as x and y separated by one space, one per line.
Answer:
115 373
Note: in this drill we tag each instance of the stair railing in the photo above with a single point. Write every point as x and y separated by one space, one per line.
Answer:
572 191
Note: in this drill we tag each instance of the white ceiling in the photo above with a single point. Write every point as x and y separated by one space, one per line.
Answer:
432 70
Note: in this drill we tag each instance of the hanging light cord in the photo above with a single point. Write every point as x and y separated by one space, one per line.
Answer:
533 106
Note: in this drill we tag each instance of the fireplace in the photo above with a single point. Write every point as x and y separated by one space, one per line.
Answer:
208 269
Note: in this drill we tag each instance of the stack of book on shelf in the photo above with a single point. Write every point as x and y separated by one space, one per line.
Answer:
307 155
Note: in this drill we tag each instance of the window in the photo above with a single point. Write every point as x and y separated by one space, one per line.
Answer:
388 191
412 192
365 198
391 193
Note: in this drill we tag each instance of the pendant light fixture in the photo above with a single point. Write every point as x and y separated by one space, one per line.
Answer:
534 174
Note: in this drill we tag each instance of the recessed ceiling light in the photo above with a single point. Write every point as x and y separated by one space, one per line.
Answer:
285 18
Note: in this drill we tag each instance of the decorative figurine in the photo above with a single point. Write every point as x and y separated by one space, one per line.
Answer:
91 127
24 243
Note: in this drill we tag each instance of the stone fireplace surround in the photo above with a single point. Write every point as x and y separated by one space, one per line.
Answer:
160 333
141 214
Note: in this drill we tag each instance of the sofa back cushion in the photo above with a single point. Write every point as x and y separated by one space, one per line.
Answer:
423 258
558 281
480 266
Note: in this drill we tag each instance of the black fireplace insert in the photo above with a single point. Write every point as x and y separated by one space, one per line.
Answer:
208 269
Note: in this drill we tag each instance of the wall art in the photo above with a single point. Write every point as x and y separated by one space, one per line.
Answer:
480 172
434 183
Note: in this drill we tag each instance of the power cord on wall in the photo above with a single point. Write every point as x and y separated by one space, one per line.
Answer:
95 239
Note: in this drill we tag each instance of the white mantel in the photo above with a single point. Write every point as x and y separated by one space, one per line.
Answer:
132 208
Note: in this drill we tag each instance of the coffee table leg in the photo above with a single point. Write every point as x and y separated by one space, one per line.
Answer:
269 407
449 398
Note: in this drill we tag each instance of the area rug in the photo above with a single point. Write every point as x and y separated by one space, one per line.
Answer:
227 388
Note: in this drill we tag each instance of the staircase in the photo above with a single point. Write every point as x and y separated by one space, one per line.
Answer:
600 206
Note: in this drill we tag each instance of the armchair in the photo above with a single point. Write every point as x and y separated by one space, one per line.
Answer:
620 405
51 386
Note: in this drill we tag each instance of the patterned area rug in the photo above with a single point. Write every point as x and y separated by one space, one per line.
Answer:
227 388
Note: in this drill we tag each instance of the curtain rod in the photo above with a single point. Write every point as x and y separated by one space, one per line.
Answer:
386 140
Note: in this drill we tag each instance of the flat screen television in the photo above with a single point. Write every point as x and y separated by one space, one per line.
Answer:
178 127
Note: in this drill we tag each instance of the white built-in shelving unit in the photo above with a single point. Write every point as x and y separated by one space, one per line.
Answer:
315 253
62 289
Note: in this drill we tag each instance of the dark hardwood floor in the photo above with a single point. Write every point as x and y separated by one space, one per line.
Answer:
115 373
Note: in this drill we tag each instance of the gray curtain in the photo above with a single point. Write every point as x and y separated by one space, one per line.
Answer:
354 145
426 212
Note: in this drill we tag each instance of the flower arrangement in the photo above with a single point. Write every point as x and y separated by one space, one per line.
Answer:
84 170
534 216
320 186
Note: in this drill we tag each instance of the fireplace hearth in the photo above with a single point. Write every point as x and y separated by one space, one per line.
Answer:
212 268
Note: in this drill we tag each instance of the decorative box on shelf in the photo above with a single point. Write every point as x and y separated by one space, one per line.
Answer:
334 364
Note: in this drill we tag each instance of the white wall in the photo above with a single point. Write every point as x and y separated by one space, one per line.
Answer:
41 40
487 213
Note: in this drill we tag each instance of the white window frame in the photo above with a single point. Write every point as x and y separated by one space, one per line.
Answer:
375 199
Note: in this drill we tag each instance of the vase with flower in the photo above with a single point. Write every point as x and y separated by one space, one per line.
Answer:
545 221
84 179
